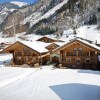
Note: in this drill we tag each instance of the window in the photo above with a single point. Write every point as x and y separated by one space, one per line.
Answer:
68 59
18 53
19 58
87 60
80 49
74 53
75 49
78 61
25 49
33 54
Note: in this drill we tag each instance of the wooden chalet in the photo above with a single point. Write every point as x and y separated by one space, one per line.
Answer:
26 52
48 39
77 53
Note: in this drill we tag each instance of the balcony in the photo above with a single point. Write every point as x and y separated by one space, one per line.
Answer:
18 53
71 54
27 53
77 54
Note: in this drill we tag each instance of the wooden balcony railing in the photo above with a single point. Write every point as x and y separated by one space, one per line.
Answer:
27 53
23 53
71 53
77 54
18 53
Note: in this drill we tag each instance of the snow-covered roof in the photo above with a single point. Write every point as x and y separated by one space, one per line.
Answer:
37 46
60 43
80 40
49 37
57 43
33 37
90 44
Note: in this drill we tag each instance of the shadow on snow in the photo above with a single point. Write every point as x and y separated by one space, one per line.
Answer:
76 91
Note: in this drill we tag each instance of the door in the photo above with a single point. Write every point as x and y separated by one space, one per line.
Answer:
25 59
55 59
78 62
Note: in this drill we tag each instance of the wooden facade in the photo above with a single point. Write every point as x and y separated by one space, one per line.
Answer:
77 54
48 40
22 54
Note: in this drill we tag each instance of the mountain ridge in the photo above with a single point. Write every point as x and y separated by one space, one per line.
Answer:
55 15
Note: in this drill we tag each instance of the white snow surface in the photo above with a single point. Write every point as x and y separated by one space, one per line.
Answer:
18 3
12 74
89 33
46 83
9 39
33 37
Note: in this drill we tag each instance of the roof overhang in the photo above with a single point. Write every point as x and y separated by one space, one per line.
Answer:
79 41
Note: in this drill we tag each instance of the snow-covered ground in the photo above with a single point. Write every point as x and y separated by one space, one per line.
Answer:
47 83
11 74
90 33
11 39
86 32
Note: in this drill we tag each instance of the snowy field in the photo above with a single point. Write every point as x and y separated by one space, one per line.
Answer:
47 83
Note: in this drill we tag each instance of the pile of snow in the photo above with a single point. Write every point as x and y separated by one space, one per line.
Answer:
20 4
5 58
49 84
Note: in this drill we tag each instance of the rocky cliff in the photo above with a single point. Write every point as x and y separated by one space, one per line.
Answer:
52 16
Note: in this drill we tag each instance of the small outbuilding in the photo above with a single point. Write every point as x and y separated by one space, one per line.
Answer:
48 39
